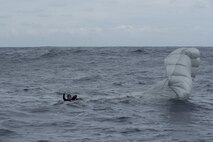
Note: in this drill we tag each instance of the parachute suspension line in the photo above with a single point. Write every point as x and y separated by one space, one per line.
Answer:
175 92
166 81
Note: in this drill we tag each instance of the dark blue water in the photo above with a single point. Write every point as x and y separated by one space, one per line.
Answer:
113 106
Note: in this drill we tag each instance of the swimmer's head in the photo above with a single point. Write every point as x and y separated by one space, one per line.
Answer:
69 97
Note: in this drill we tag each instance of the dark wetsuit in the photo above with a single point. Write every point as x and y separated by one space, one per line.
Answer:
72 99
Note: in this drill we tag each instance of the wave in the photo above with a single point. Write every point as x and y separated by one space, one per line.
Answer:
118 119
98 93
131 130
140 51
92 78
43 141
54 52
29 54
12 123
118 84
6 132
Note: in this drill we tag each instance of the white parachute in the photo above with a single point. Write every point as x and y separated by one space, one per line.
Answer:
181 66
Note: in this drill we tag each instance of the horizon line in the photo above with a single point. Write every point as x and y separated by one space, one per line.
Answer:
52 46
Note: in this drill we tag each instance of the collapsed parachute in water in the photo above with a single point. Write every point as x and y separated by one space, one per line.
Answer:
181 66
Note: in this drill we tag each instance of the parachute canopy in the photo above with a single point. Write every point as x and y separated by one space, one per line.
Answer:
181 66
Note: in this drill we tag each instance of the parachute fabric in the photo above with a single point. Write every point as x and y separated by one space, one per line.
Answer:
181 66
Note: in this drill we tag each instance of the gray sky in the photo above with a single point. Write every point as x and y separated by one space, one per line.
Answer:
106 22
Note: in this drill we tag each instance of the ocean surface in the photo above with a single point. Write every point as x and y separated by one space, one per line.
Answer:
112 85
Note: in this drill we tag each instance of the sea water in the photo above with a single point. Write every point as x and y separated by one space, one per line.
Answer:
111 84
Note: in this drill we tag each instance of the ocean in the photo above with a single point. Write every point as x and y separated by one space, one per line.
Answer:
113 105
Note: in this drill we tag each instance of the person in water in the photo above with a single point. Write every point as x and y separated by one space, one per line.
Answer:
69 97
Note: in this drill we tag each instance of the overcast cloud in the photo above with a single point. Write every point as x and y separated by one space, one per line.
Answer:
106 22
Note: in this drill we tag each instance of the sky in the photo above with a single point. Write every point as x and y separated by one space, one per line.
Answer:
106 23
